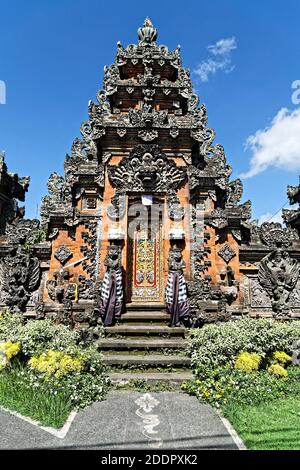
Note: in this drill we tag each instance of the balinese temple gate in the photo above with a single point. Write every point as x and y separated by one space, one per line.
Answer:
146 215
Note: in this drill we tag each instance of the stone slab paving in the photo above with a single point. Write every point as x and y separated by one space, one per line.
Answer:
128 420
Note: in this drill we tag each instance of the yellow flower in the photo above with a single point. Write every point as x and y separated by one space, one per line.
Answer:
55 364
280 357
247 362
7 351
277 370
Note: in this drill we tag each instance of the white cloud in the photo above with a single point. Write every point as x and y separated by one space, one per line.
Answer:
277 145
220 60
268 217
223 46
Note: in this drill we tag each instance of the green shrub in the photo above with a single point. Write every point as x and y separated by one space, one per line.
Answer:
38 336
218 344
10 326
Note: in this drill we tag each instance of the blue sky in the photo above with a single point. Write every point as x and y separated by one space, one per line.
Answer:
52 56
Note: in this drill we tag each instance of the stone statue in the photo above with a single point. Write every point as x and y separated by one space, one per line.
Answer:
176 291
278 274
112 287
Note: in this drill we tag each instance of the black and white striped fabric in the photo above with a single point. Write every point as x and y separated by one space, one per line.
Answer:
105 286
111 297
176 298
182 291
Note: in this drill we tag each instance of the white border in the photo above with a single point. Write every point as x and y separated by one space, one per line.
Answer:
238 441
59 433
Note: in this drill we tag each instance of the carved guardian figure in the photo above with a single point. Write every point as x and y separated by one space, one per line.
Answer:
112 287
278 274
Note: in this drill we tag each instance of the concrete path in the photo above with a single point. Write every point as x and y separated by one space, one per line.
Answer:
127 420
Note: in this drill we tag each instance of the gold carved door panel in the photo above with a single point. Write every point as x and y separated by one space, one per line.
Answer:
146 259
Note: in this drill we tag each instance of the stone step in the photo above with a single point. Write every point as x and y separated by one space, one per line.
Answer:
148 360
144 330
124 344
148 316
161 377
156 306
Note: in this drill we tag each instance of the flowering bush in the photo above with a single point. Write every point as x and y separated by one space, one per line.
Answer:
280 357
217 344
7 351
277 370
247 362
53 358
224 386
82 378
55 364
224 354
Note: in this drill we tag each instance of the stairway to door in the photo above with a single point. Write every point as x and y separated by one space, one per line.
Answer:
142 346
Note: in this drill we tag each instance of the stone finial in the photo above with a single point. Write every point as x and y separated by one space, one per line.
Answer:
147 33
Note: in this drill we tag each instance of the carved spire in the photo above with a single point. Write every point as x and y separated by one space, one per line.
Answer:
147 33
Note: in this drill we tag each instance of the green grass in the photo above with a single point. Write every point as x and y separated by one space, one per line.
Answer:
38 403
268 426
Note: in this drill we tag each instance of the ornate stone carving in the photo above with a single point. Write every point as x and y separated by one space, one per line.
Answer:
12 188
58 286
148 136
226 253
111 78
219 218
229 286
278 274
63 253
147 116
207 303
259 298
147 33
121 132
20 269
89 249
147 168
174 132
293 193
117 207
113 260
175 211
273 234
217 166
234 193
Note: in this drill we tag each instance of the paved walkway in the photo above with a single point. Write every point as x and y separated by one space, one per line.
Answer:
127 420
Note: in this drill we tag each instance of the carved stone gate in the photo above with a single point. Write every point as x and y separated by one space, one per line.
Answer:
146 135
